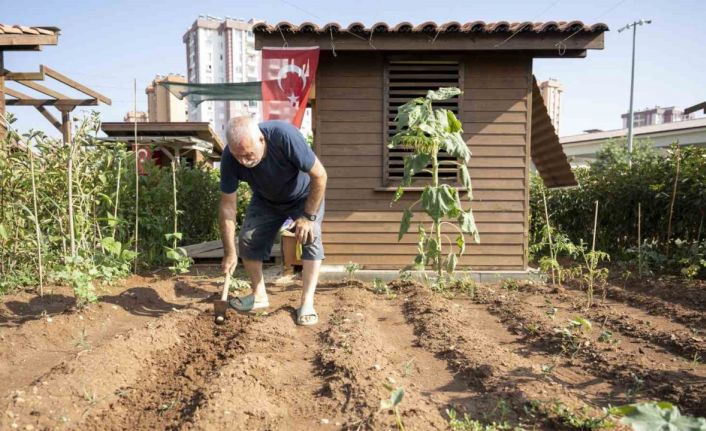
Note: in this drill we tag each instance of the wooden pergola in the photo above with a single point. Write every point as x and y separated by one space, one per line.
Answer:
21 38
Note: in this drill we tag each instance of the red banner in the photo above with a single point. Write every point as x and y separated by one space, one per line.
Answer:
287 76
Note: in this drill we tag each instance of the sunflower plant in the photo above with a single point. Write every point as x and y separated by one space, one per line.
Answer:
426 131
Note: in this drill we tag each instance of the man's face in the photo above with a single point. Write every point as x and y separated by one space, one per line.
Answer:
249 152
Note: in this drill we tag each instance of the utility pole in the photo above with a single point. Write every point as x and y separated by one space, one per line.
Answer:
631 120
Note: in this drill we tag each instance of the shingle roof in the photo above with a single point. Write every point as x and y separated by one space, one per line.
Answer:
432 27
21 29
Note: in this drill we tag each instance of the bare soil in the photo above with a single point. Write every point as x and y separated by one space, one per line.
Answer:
148 356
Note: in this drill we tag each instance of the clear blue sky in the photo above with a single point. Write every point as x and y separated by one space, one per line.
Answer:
107 44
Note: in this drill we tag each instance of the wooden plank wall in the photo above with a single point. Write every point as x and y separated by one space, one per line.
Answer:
360 225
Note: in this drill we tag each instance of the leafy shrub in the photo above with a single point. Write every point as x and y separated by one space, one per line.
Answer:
103 185
619 188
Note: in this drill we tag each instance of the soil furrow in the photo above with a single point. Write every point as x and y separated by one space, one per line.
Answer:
662 376
502 377
368 345
657 306
176 382
90 381
275 383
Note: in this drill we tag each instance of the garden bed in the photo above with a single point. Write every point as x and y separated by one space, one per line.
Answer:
148 356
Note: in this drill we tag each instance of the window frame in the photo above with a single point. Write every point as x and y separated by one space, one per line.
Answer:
391 184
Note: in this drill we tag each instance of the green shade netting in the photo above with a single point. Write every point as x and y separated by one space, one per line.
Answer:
197 93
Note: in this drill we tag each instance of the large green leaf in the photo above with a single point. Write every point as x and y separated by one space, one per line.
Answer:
440 201
414 164
468 224
466 180
404 224
112 246
443 93
652 417
454 123
442 120
456 146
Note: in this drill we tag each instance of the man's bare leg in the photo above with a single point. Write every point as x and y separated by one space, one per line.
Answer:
310 277
257 280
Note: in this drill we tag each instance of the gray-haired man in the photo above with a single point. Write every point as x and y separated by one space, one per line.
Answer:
287 181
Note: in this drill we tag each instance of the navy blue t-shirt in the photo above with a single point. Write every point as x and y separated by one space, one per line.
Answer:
281 176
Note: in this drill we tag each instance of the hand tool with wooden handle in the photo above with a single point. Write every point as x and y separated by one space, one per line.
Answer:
220 307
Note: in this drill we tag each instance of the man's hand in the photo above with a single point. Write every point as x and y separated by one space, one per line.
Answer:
229 262
304 230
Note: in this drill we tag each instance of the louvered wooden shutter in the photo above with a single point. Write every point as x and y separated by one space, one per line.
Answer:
407 80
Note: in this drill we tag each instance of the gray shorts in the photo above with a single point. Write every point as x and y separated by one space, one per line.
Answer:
262 223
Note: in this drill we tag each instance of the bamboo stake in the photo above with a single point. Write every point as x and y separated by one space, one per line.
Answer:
137 175
36 221
72 233
549 232
174 192
593 262
117 198
639 238
671 206
595 226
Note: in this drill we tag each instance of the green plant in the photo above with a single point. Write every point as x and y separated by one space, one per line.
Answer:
351 269
622 188
557 244
590 274
466 286
392 404
657 416
82 341
39 224
551 309
510 284
428 131
405 274
408 367
607 337
573 336
580 420
466 423
381 288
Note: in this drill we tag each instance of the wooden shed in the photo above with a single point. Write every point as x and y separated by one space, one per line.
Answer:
365 73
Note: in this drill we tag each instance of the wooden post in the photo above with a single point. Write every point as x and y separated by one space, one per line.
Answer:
66 132
3 127
198 158
66 125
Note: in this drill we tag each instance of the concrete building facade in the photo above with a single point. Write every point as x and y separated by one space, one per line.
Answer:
219 51
655 116
551 93
163 106
132 116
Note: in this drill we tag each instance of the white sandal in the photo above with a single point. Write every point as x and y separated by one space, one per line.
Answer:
248 303
313 318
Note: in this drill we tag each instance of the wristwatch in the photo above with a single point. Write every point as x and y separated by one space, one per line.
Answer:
310 217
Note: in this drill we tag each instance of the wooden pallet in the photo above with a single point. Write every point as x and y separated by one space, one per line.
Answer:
211 250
